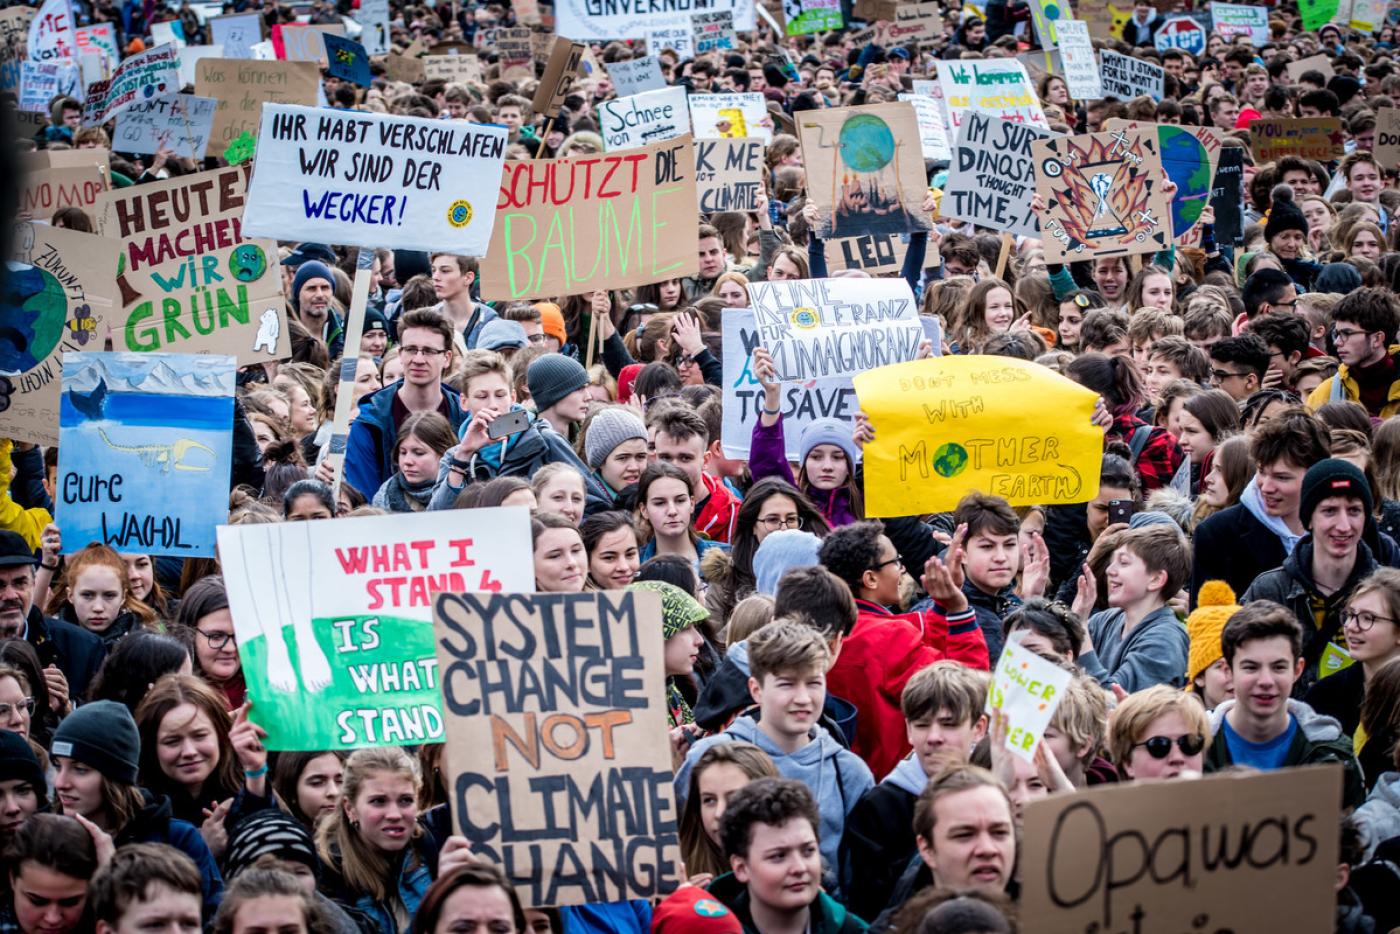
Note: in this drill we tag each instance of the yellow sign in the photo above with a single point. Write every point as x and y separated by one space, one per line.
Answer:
947 426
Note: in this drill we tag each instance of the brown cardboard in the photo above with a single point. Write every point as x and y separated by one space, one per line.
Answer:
243 86
560 73
1317 138
728 174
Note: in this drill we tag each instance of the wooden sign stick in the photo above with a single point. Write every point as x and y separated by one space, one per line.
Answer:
349 363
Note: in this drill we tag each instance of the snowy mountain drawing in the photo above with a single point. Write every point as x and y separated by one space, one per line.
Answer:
156 374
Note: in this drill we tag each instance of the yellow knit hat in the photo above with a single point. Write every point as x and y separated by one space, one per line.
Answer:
1215 604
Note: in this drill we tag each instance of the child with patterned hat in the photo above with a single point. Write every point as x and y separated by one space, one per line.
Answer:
680 613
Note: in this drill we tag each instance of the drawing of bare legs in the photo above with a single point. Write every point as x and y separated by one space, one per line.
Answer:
311 660
261 568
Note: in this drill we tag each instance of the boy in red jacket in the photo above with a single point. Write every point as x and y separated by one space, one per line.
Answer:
884 649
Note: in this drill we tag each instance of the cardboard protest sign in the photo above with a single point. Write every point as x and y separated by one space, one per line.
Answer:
237 33
996 87
865 169
100 38
933 135
1318 13
1233 19
334 618
560 73
1081 66
913 23
443 177
14 33
1125 77
181 124
591 20
802 403
804 17
629 122
1318 63
1367 15
675 35
712 32
1388 136
547 756
637 75
51 35
295 43
876 253
1317 138
835 327
1008 427
346 60
731 116
728 174
872 10
1027 690
1103 195
242 87
189 282
41 82
189 59
57 297
454 69
373 17
992 175
145 76
516 52
145 451
1189 157
1227 194
1245 851
597 222
48 190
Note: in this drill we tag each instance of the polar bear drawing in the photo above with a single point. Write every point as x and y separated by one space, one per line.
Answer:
269 331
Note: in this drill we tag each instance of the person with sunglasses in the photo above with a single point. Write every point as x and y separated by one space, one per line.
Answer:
1262 727
1159 732
1364 326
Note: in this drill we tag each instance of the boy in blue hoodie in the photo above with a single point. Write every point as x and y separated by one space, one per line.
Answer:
788 662
943 717
1138 641
769 896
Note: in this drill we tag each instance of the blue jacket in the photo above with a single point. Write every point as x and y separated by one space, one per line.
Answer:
415 873
369 451
155 823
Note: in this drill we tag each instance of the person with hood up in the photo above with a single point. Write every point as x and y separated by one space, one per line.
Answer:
1262 727
789 661
96 752
1316 581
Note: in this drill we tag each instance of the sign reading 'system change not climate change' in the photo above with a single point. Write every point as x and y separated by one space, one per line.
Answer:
372 180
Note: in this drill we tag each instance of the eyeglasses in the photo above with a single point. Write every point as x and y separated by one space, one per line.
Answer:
25 707
217 640
884 564
1159 747
1222 375
1338 335
774 523
1362 620
421 351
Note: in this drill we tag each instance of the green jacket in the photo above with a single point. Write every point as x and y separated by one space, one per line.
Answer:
1318 739
828 915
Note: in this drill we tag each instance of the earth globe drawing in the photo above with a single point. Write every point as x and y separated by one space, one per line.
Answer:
949 459
1187 163
32 308
866 143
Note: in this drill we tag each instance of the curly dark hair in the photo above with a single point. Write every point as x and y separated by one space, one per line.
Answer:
771 801
850 551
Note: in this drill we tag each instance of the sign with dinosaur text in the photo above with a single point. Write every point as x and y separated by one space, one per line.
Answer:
334 618
992 177
562 699
190 282
145 451
948 426
58 296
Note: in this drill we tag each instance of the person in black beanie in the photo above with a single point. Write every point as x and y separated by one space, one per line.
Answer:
23 791
96 751
1287 235
1326 565
272 835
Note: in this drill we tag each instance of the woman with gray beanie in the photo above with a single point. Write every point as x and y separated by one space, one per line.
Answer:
96 752
615 444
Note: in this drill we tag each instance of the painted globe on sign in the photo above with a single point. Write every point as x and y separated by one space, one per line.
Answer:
949 460
1188 164
32 310
866 143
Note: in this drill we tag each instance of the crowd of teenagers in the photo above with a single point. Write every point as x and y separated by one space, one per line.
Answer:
1230 599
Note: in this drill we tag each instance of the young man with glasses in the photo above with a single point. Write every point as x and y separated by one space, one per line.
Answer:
1238 365
1363 331
884 650
1318 577
425 344
1263 728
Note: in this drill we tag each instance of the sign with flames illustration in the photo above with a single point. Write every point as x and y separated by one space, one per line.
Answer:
1102 194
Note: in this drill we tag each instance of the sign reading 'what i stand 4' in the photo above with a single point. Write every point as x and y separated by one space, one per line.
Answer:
374 180
145 451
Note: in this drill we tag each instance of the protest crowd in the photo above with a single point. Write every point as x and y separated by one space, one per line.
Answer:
781 468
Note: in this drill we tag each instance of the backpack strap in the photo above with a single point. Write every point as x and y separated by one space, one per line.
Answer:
1138 443
1339 390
